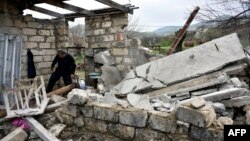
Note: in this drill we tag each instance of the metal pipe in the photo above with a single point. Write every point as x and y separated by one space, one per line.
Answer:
183 30
13 63
6 43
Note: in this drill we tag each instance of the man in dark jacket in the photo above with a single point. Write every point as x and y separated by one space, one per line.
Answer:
66 69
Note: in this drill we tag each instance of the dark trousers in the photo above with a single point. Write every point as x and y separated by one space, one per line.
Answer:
55 76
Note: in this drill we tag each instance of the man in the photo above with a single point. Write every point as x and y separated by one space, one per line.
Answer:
66 69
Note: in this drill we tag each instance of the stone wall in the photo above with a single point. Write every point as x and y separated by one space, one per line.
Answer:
112 122
107 31
43 37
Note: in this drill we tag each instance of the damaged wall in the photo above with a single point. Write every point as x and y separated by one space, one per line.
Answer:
109 32
43 37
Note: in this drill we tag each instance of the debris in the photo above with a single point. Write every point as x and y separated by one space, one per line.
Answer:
202 117
69 109
104 58
203 63
17 135
57 129
79 122
53 107
236 82
221 121
62 90
219 107
139 101
110 76
78 96
40 130
198 103
19 122
57 98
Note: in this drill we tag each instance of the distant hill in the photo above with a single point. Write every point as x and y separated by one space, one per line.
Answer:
167 30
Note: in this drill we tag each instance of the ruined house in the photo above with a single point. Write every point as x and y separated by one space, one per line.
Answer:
187 96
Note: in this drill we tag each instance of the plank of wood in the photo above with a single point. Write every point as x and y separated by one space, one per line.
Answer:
53 107
62 90
48 12
115 5
40 130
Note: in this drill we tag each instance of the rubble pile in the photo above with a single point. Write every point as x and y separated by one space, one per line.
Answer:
188 96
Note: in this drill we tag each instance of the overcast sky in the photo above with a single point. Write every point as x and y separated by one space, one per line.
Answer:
152 14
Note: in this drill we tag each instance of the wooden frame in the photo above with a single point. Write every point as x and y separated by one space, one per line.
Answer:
30 98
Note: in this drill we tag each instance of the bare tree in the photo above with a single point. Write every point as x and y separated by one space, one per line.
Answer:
224 12
77 34
133 28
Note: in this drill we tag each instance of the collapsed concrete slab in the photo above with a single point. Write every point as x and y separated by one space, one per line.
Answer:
185 65
110 76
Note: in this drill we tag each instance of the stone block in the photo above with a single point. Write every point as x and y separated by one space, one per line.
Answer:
78 97
206 134
48 58
144 134
37 52
28 18
34 25
44 45
198 102
62 44
25 38
44 32
56 129
98 32
64 118
48 26
96 125
119 22
50 52
19 23
28 31
50 39
164 122
133 117
63 38
69 109
38 59
63 31
36 39
106 112
30 45
43 65
120 51
79 122
17 135
88 111
107 24
202 117
122 131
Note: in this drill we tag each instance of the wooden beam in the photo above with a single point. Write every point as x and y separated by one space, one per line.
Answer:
40 130
45 11
70 7
115 5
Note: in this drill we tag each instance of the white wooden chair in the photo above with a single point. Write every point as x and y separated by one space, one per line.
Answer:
27 98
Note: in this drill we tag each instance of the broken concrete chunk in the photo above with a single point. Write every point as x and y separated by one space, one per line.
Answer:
69 109
110 76
236 82
219 107
17 135
221 121
64 118
57 98
104 58
79 122
202 117
78 96
109 98
139 101
197 102
123 103
57 129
